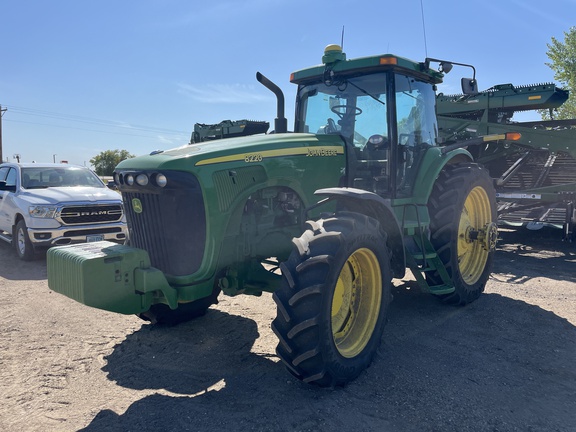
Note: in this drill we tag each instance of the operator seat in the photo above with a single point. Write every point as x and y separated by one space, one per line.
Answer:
377 148
372 168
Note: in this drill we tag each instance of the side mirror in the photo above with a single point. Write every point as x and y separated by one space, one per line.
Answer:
3 187
469 86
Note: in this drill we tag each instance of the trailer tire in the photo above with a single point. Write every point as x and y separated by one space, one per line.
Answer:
161 314
333 301
463 216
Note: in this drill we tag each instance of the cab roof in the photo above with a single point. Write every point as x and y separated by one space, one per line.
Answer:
334 59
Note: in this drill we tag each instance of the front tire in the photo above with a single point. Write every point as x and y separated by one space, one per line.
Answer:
333 302
22 244
463 229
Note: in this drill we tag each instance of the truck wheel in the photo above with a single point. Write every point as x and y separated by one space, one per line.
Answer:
463 229
163 315
22 243
333 301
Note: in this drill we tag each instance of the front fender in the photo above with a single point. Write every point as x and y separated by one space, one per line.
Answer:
373 205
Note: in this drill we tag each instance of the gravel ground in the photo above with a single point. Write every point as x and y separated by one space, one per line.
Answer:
506 362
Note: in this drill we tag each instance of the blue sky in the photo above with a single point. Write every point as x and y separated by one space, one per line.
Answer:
82 77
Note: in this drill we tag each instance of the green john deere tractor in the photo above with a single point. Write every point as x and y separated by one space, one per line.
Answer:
224 215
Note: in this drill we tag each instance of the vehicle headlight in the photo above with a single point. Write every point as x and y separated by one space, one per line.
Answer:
142 179
129 179
42 211
161 180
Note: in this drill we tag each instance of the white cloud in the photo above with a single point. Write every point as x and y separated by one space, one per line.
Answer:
172 141
223 93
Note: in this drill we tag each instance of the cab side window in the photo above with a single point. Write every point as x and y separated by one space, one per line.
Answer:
11 177
3 173
416 112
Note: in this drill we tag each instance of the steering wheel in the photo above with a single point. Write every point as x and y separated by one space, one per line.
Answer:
354 108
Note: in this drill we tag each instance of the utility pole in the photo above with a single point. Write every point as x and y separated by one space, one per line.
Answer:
1 114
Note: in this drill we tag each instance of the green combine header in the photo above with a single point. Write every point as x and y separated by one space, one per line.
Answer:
227 129
535 177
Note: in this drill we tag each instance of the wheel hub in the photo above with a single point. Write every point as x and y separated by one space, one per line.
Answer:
488 236
485 236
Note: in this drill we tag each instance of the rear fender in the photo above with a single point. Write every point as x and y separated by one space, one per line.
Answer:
373 205
431 165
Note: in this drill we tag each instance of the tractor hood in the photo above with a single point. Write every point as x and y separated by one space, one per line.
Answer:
247 149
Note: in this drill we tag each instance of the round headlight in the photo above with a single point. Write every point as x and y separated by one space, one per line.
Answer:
117 178
142 179
161 180
129 179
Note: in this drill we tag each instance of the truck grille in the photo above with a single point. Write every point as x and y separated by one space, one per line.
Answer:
79 215
169 223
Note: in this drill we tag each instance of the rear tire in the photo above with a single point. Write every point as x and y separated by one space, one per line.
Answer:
22 244
463 229
333 302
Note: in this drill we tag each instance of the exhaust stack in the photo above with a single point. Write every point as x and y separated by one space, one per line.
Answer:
280 122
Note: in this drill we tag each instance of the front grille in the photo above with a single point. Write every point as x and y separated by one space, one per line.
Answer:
169 222
85 232
78 215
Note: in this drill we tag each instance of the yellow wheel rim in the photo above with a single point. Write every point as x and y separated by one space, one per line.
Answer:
356 302
475 226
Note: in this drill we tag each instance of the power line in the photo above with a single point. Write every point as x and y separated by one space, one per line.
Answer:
96 130
88 120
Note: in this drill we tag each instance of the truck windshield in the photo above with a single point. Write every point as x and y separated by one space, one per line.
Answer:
354 108
45 177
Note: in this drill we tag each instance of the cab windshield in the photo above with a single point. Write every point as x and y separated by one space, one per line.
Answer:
385 156
354 108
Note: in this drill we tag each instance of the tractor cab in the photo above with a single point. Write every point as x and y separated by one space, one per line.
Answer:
383 107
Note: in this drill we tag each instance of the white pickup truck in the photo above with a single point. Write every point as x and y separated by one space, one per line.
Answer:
44 205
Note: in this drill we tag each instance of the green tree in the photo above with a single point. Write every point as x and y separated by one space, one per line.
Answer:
105 162
562 57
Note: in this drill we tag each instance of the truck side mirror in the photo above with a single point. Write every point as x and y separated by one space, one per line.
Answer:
469 86
3 187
